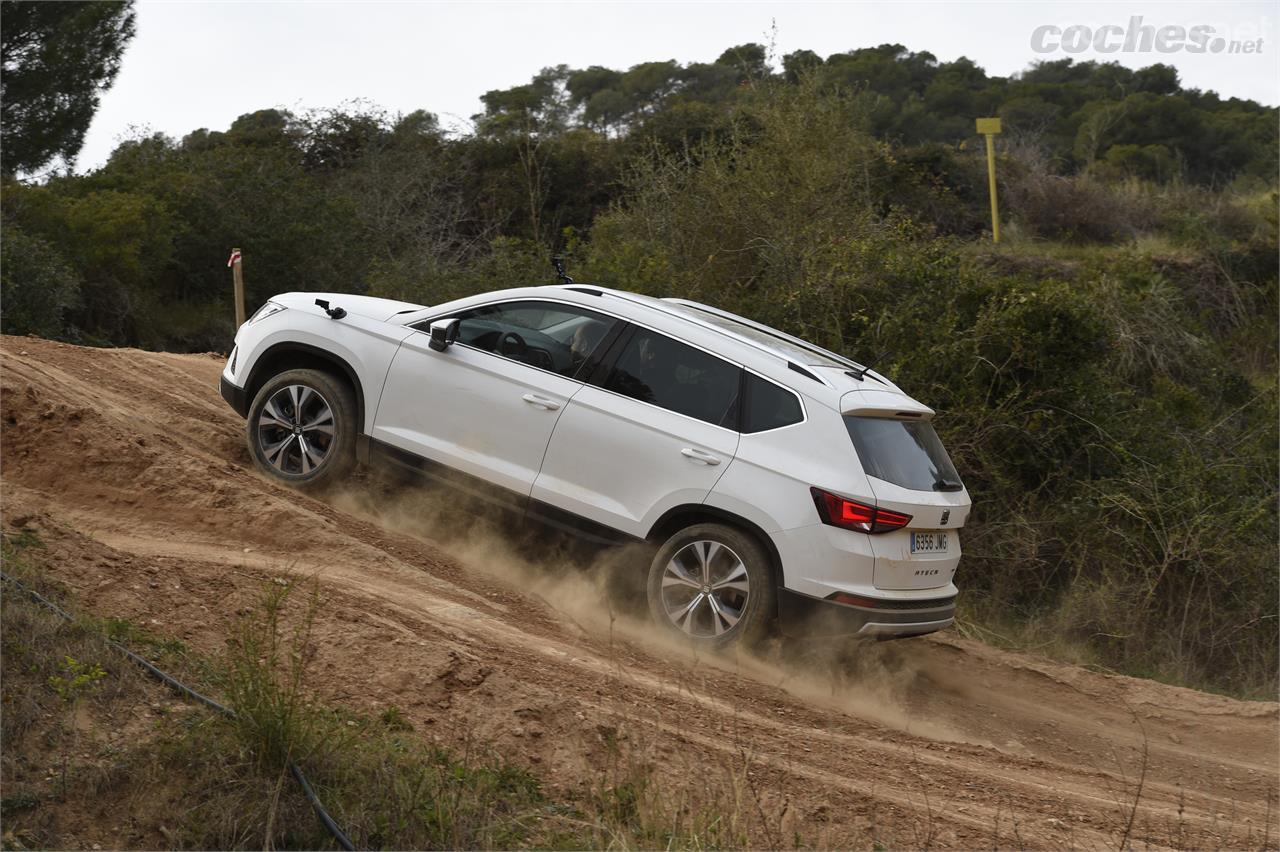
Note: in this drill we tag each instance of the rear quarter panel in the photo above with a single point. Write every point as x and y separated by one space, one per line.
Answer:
768 483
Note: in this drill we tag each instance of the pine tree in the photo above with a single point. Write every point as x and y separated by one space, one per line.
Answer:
57 59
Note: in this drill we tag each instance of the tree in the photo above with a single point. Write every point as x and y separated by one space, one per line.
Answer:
39 288
583 85
57 59
649 83
1158 79
709 83
749 60
266 128
607 108
798 63
541 106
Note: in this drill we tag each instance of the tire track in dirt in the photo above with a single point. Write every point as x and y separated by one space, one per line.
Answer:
136 473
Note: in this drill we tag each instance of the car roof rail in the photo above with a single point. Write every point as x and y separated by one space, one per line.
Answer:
792 365
672 309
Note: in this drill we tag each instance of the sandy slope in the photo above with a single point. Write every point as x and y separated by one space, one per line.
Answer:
136 474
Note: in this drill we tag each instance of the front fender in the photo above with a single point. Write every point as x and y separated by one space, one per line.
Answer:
361 347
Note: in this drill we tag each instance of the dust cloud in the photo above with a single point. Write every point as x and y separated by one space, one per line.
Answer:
601 592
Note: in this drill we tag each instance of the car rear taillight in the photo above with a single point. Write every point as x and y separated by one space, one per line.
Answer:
852 515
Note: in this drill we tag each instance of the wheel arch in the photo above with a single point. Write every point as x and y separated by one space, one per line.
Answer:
293 355
698 513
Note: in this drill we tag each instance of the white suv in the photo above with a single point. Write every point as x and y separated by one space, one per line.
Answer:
775 479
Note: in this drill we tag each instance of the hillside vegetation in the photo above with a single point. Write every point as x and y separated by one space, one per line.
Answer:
1105 377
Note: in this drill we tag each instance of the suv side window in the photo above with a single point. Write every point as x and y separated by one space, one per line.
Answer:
551 336
654 368
768 406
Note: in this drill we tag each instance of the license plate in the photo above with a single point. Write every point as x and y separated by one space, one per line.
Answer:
929 542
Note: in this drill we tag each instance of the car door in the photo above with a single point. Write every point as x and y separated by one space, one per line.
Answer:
487 404
654 429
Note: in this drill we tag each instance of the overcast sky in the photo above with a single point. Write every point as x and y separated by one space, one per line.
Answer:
202 64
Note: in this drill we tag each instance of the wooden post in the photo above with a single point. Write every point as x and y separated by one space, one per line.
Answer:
989 127
238 278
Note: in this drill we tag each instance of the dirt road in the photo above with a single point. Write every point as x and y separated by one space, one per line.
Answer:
136 474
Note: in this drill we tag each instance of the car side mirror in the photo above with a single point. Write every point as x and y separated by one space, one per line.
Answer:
443 333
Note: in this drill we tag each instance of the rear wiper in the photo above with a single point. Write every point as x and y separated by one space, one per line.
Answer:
947 485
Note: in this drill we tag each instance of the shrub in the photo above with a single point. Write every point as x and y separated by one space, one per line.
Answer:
38 288
1074 209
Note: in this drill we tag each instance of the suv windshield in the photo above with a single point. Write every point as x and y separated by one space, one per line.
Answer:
904 452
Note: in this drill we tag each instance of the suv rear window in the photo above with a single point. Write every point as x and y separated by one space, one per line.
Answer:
769 406
904 452
654 368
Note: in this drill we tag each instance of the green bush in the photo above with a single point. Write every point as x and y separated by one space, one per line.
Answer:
39 290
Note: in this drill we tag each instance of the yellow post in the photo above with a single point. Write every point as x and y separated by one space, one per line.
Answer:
238 280
989 127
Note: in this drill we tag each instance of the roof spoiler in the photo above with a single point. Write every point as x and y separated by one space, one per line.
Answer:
878 403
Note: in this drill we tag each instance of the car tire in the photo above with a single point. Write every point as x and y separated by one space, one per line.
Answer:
712 585
311 451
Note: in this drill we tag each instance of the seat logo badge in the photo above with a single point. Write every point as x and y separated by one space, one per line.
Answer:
946 516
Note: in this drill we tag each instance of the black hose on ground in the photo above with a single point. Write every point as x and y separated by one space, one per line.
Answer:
181 688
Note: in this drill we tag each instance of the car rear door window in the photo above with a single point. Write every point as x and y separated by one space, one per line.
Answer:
655 369
548 335
769 406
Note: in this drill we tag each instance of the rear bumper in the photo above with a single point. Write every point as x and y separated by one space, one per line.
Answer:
802 615
234 396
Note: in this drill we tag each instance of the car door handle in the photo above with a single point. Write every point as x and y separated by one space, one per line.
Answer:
541 401
699 456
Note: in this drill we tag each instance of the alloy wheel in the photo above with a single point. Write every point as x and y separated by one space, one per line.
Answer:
295 430
705 588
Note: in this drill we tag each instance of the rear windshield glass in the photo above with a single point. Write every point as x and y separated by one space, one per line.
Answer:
904 452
